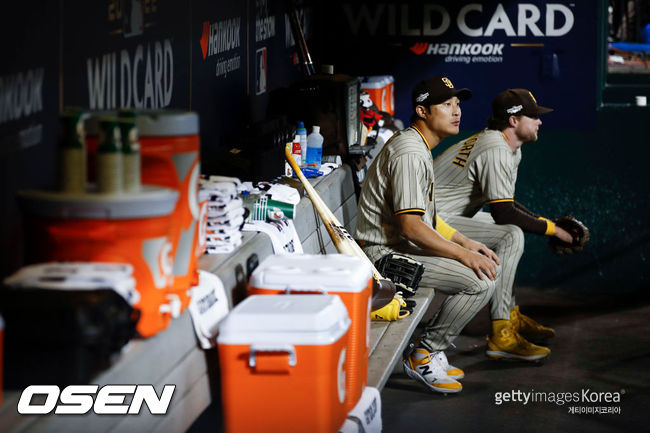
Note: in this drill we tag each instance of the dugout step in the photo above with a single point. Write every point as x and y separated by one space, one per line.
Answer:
389 339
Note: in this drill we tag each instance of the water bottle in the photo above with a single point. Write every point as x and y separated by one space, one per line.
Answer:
109 156
302 134
73 151
130 151
314 148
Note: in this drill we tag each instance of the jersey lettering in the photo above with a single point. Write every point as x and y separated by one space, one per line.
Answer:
464 152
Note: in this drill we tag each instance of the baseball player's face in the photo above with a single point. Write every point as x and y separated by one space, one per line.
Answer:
527 128
445 117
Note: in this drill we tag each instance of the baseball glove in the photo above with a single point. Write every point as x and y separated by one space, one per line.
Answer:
578 231
403 271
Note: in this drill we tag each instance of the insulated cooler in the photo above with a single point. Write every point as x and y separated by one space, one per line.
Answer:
169 152
349 277
381 89
128 228
282 364
169 148
66 322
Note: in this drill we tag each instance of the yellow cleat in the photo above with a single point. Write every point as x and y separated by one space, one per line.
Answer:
528 327
505 342
426 367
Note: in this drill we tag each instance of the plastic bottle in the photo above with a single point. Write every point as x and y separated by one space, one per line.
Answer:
73 151
130 151
296 150
302 134
314 148
109 156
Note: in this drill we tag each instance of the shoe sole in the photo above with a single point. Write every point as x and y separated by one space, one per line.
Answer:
501 355
414 375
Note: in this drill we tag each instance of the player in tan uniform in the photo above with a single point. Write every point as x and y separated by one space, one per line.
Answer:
483 170
397 214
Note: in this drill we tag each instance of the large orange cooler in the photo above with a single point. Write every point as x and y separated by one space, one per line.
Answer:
349 277
169 148
117 228
169 152
381 89
282 364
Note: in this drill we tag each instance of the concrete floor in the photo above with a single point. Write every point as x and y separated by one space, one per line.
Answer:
602 345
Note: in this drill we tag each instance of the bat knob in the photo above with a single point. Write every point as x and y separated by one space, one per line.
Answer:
383 291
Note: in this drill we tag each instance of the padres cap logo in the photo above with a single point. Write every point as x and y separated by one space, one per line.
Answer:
447 82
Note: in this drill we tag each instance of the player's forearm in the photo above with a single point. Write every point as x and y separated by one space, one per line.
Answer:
415 230
510 213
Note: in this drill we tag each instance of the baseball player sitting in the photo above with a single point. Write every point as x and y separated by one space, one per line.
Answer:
397 214
483 170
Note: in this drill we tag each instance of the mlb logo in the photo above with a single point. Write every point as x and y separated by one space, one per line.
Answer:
260 71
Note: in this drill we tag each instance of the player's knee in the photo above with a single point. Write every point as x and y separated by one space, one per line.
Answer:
515 238
482 286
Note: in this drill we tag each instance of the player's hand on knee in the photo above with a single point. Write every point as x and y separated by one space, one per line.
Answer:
480 264
480 248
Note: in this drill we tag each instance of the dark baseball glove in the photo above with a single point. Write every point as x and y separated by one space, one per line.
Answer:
403 271
578 231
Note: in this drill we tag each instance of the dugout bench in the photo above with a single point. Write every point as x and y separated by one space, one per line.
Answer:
174 357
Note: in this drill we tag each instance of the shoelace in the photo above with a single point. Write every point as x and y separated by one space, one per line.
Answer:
433 365
442 359
508 333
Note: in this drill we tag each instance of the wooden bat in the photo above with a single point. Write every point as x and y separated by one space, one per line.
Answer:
299 36
342 240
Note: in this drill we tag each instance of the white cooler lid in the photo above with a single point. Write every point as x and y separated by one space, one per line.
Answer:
77 276
153 123
330 272
376 81
150 201
285 319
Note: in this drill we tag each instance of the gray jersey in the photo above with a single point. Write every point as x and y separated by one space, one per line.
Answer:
399 180
479 170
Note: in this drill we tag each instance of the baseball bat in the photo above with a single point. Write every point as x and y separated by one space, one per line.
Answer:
343 242
299 36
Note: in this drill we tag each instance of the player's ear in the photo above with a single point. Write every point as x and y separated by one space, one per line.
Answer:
420 110
513 120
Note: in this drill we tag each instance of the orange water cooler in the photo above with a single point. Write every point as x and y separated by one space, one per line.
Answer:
169 151
381 89
282 364
169 148
118 228
349 277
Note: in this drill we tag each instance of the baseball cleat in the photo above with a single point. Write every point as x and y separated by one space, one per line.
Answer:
507 343
426 367
528 327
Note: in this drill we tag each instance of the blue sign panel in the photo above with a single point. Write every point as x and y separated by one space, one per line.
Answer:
547 47
126 54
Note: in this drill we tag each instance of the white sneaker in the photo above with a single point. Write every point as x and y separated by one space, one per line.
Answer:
453 372
429 370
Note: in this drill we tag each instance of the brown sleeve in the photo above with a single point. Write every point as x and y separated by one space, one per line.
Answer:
511 212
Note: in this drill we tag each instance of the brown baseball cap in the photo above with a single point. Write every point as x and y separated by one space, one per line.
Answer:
434 90
517 102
